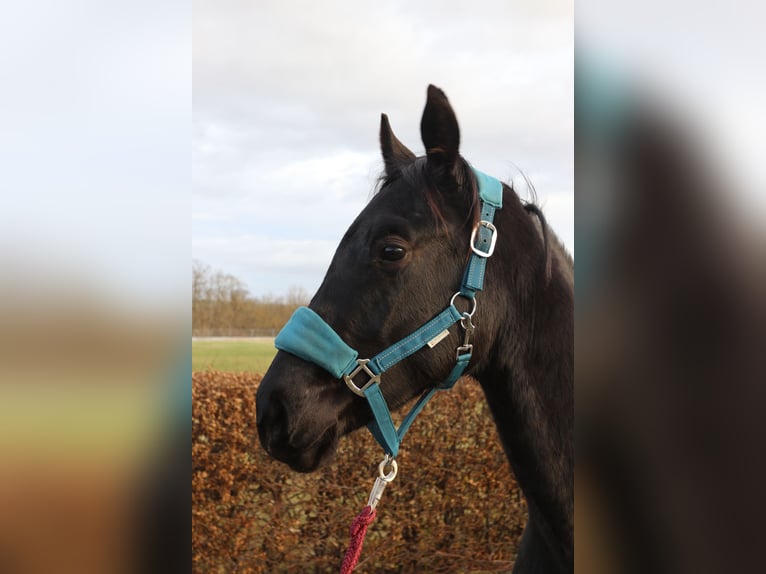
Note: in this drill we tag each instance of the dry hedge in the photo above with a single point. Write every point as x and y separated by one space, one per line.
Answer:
454 507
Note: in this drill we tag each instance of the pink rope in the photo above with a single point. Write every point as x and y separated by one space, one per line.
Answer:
358 531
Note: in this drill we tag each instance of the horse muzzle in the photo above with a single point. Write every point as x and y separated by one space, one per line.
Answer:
293 431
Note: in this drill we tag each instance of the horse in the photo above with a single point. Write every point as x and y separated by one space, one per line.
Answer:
396 266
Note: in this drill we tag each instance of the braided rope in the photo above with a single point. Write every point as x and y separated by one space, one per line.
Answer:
358 532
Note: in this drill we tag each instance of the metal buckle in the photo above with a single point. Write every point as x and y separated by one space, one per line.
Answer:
492 241
362 367
462 350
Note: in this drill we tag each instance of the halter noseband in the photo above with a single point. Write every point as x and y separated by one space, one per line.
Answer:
308 336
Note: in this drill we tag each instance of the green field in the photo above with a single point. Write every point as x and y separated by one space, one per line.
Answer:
231 355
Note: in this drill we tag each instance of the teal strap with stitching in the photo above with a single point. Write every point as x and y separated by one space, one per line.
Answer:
415 341
490 188
382 428
473 279
457 372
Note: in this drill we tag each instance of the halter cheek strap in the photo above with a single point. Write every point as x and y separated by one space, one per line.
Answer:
308 336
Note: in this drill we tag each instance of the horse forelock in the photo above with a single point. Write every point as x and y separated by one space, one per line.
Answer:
419 176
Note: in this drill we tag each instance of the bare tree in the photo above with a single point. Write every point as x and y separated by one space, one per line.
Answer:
222 305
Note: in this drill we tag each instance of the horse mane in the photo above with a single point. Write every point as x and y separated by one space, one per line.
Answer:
532 208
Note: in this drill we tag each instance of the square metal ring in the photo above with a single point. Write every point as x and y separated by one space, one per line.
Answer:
362 366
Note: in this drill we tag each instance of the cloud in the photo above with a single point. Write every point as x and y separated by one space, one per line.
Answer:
287 100
268 264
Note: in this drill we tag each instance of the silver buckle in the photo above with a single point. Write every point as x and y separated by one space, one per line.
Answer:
362 366
492 241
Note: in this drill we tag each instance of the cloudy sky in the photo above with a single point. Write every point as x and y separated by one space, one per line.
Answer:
94 152
287 103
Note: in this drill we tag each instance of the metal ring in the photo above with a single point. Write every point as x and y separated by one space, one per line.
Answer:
388 461
472 299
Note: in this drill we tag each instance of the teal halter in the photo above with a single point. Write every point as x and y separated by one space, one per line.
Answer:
308 336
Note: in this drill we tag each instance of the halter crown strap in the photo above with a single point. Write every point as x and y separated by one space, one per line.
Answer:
485 235
308 336
490 189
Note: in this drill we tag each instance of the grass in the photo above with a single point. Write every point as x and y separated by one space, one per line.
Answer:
252 355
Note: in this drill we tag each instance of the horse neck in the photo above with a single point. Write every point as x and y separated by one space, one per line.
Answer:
527 376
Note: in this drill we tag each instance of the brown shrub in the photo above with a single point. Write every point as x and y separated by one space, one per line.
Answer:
453 507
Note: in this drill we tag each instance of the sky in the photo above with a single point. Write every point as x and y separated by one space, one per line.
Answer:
287 98
95 150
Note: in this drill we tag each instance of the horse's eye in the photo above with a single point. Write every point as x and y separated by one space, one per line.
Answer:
393 252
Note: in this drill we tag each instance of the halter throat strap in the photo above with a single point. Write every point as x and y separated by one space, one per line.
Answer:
308 336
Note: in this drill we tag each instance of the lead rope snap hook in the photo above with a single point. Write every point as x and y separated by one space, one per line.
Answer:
382 480
466 323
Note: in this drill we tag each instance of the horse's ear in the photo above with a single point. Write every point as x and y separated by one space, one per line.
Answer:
439 130
395 153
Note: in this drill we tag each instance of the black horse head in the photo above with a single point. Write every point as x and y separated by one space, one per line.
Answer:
397 265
